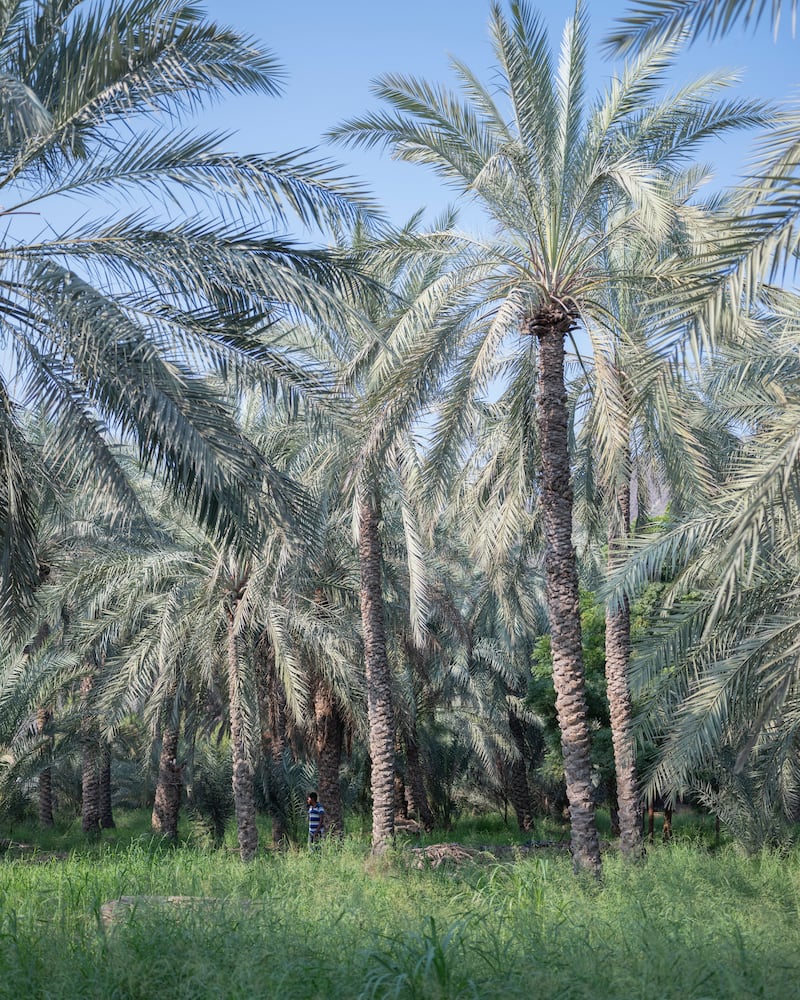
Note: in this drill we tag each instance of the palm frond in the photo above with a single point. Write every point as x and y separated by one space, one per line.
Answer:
19 564
653 19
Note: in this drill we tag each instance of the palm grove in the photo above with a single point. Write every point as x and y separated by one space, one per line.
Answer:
275 517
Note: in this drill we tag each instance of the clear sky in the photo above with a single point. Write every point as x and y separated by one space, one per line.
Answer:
331 52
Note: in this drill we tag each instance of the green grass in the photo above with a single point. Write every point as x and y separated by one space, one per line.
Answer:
688 923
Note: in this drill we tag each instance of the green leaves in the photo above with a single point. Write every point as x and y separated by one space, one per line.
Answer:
19 495
115 326
651 20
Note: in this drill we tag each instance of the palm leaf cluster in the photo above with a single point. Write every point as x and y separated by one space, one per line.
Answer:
108 316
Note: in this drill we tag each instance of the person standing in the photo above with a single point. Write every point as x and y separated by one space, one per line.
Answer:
316 819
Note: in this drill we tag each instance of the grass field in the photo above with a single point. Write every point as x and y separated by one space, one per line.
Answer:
688 923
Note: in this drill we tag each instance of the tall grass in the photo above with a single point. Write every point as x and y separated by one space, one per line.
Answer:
687 923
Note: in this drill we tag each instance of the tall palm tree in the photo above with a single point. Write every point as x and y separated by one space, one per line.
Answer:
720 672
562 181
109 318
641 429
375 471
740 625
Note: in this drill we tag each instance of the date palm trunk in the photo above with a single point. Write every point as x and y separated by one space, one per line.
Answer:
166 807
104 794
518 788
416 795
43 717
90 769
550 324
274 742
46 817
243 789
328 739
618 649
380 710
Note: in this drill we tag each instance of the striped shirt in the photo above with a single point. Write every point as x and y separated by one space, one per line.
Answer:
316 818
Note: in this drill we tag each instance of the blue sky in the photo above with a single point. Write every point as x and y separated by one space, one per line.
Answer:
332 51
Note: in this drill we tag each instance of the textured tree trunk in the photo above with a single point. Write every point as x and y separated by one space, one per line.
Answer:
243 791
90 766
274 741
104 795
549 325
613 807
618 649
379 681
166 807
653 807
46 818
43 717
415 786
328 739
400 801
275 736
518 788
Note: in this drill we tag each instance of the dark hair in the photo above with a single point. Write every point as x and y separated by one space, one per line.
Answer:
312 795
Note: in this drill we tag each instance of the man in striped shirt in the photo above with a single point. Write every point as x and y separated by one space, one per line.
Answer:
316 819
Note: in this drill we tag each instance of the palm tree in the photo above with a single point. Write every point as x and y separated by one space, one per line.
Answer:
380 707
640 425
719 676
562 182
109 319
90 757
374 471
718 707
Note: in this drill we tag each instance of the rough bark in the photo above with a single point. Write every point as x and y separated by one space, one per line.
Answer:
43 717
328 740
613 807
518 789
274 740
416 795
243 791
618 649
549 325
90 769
166 807
653 807
379 682
104 793
400 801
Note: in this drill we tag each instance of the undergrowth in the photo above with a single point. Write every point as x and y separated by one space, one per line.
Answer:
686 923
